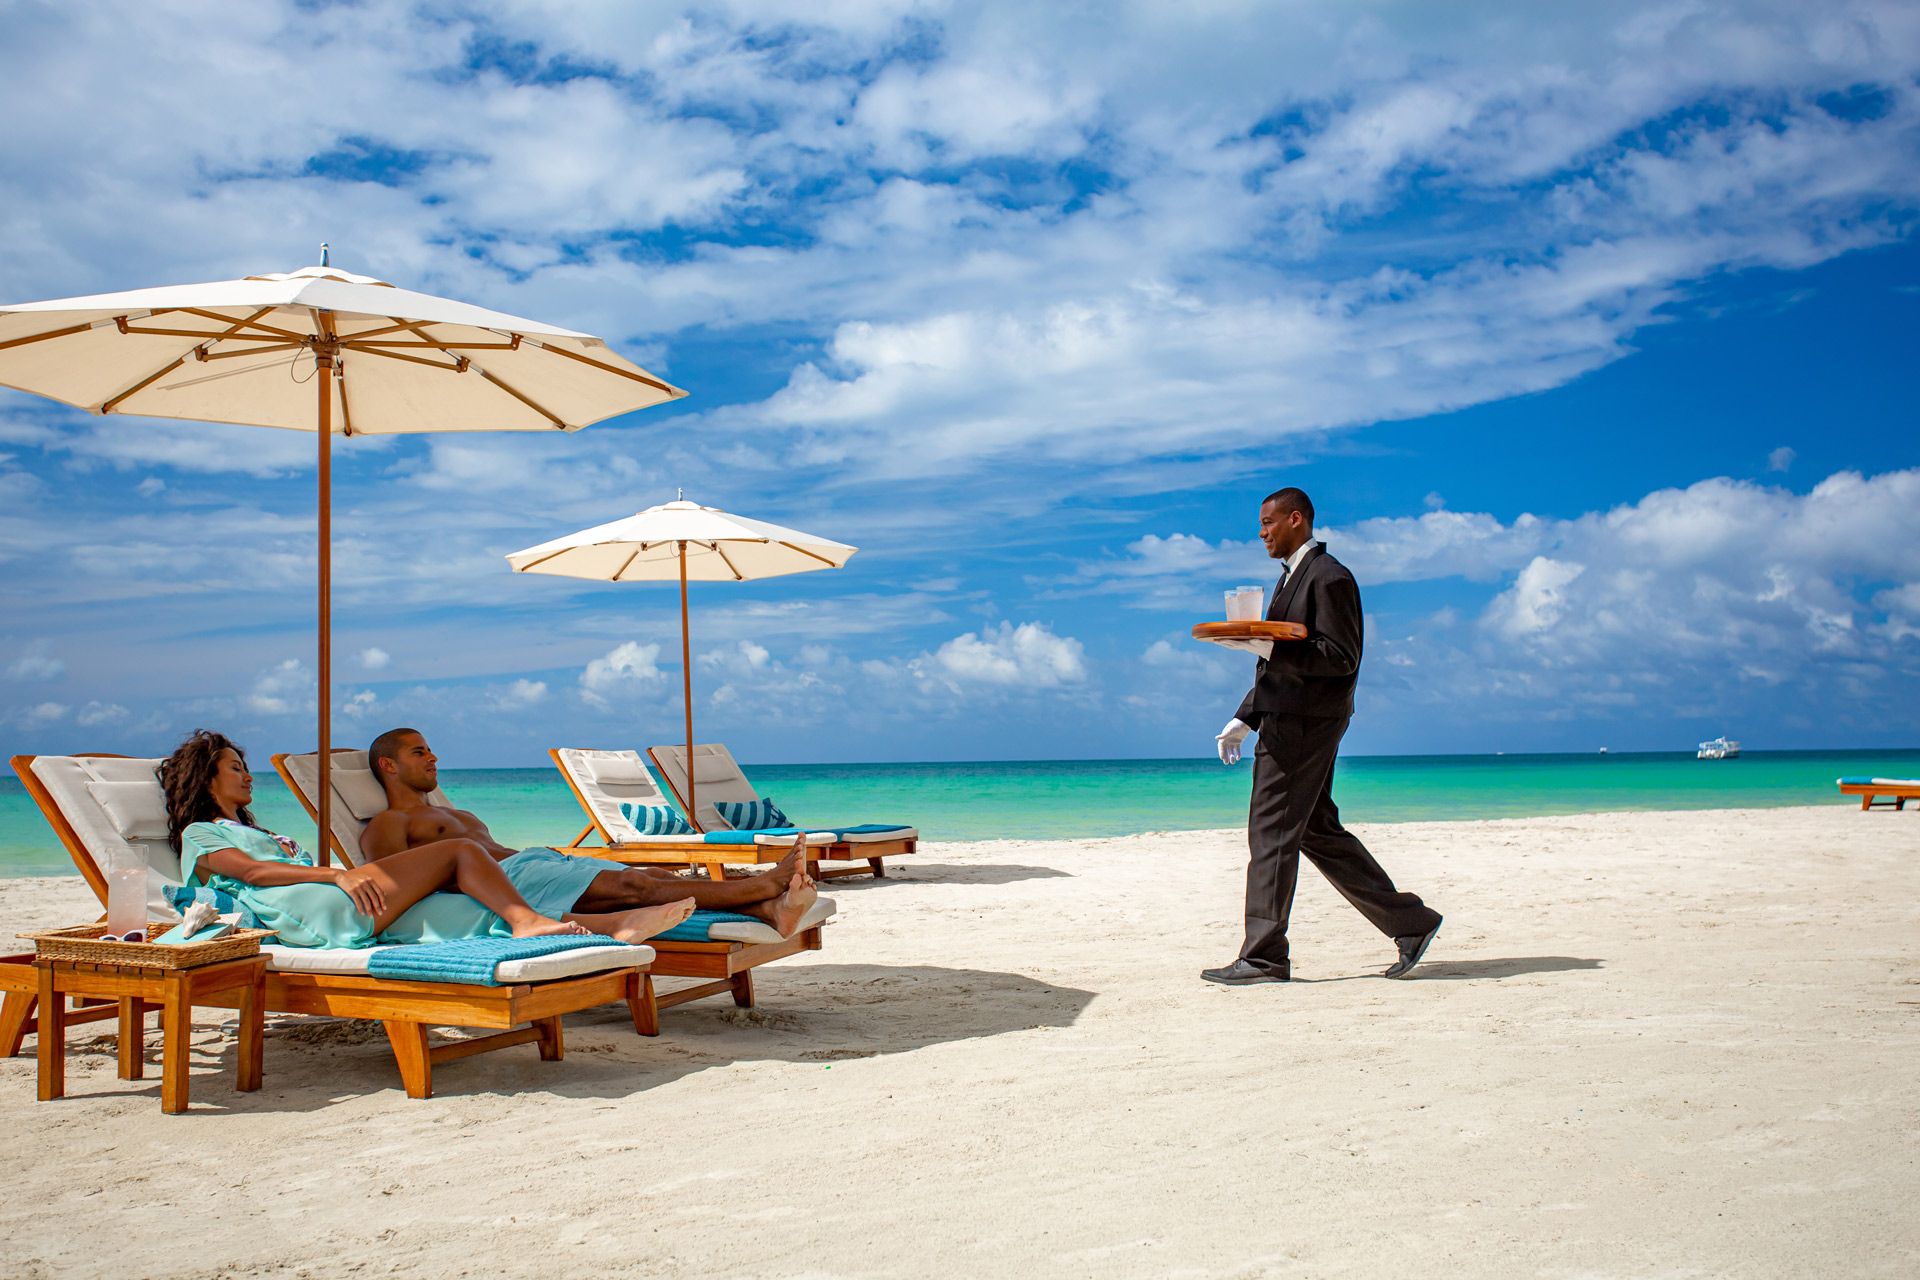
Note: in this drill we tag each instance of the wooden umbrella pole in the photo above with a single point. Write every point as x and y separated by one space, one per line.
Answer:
686 692
323 375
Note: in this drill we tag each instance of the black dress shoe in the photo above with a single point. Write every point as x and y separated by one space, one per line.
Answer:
1243 973
1411 949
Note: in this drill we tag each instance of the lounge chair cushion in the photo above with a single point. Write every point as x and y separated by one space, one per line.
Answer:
69 780
137 810
563 964
475 961
1880 782
752 815
655 819
877 833
756 930
607 780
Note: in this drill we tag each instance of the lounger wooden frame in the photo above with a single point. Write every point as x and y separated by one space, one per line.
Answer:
728 965
1882 795
521 1013
871 852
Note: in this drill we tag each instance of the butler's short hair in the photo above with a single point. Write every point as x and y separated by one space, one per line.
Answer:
1292 499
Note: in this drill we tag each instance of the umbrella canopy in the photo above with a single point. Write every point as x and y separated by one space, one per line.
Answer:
649 547
318 350
683 541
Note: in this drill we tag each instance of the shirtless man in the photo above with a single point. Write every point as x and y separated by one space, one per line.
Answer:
561 883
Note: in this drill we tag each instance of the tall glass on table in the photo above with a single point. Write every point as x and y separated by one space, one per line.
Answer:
126 897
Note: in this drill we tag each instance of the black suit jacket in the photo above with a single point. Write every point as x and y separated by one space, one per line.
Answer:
1315 676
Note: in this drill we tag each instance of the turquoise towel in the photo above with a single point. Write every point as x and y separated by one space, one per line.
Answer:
838 833
695 927
470 960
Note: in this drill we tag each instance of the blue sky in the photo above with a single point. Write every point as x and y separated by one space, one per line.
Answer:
1590 333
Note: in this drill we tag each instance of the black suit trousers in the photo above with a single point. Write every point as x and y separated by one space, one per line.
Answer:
1292 813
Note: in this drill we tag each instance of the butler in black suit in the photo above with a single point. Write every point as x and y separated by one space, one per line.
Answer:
1300 703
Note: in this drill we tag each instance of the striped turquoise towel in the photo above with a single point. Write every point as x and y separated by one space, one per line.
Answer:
838 833
470 960
696 926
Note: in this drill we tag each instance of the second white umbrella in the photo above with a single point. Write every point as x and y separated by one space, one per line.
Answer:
683 541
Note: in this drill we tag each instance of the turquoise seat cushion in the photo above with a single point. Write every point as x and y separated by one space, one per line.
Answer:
752 815
696 927
655 819
470 960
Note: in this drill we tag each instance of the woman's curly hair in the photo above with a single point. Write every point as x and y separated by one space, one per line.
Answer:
187 777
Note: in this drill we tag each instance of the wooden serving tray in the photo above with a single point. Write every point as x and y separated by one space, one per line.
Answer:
1256 638
1219 631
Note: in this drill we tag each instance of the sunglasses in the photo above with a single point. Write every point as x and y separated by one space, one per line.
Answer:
131 935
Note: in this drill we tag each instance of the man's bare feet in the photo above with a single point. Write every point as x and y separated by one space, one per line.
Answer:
543 927
642 923
786 911
795 860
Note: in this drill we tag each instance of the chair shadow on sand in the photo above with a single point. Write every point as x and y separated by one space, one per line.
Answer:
816 1015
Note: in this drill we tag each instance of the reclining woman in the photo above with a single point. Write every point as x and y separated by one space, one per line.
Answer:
397 899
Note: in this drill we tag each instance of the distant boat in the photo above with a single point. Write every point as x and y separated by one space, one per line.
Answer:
1603 751
1718 749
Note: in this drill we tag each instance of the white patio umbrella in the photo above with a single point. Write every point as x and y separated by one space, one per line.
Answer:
685 541
317 350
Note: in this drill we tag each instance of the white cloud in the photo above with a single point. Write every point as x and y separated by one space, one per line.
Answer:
1028 656
151 486
1780 459
1536 600
94 713
36 666
627 666
360 704
41 714
282 689
374 658
521 694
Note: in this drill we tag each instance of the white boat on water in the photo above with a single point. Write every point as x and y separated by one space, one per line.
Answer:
1718 749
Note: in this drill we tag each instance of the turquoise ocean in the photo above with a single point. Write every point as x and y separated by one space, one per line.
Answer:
1038 800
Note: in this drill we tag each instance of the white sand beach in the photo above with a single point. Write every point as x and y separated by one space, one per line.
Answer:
1678 1044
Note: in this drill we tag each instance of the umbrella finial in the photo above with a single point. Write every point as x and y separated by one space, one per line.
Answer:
325 250
679 494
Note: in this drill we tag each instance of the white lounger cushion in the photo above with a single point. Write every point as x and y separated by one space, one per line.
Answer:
561 964
744 931
608 779
719 777
117 809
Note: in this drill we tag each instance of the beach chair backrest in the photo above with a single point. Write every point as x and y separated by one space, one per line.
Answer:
357 797
717 774
603 781
106 808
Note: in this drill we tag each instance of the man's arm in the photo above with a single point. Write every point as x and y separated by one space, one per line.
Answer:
385 835
1332 645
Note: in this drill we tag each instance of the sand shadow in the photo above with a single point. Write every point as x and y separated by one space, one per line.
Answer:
1499 967
814 1014
1492 969
973 873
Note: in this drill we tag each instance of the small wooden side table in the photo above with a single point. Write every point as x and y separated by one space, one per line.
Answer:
174 992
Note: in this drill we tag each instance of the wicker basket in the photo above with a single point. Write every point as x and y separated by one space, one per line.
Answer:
82 944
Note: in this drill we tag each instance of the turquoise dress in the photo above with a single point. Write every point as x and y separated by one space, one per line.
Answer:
322 915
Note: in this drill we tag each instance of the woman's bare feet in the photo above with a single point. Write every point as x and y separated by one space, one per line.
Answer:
640 923
786 911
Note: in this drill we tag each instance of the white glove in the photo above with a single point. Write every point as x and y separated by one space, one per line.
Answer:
1229 739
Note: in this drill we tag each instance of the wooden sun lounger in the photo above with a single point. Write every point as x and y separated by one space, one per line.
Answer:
664 852
518 1013
1882 793
872 852
727 966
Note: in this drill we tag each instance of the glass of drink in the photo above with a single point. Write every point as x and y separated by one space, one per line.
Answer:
127 900
1244 604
